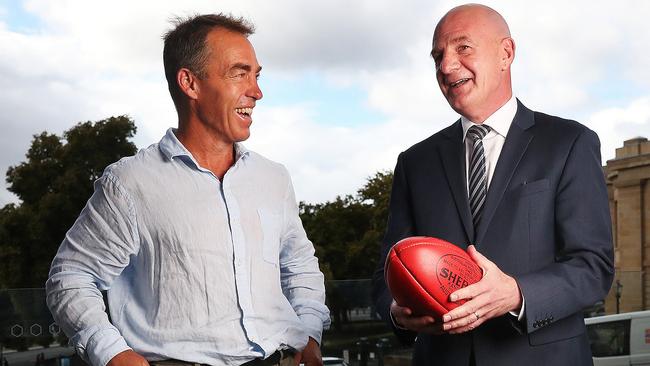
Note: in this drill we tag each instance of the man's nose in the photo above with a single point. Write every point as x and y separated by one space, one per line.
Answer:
254 90
448 64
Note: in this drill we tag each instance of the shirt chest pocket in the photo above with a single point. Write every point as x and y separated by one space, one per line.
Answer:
271 224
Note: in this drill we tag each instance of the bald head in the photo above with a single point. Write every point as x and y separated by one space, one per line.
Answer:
473 51
489 19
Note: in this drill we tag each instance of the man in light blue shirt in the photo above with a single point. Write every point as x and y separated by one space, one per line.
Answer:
197 239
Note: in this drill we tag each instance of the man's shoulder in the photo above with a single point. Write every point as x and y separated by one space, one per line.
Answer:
555 122
451 133
557 128
262 164
134 166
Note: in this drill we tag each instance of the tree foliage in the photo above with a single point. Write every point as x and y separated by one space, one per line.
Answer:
53 184
347 231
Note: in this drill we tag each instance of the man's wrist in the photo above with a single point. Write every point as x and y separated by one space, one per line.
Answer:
519 311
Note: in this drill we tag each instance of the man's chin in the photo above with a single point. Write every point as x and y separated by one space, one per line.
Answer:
243 136
458 106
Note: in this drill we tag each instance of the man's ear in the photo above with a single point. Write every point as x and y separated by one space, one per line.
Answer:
188 83
507 52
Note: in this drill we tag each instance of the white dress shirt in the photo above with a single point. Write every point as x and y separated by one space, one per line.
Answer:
499 123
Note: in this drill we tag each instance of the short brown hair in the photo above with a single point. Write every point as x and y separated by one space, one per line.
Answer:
185 45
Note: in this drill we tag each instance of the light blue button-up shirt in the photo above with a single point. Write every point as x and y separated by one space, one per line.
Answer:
197 269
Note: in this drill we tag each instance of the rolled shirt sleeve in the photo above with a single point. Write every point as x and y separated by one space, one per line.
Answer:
95 251
301 279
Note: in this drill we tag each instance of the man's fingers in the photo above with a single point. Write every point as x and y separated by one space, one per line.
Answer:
468 292
471 326
395 308
416 322
478 305
462 316
403 317
470 320
473 290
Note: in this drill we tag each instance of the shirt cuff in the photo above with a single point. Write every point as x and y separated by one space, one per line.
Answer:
313 326
103 346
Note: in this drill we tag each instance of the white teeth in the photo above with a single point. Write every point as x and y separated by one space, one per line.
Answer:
247 111
456 83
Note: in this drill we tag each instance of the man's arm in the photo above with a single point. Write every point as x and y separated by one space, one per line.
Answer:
584 267
93 253
301 279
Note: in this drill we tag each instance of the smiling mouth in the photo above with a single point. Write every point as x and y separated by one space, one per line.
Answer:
459 82
244 112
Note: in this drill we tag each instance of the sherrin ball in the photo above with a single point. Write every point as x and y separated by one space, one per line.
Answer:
421 272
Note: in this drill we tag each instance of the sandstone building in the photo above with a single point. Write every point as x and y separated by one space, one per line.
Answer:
628 185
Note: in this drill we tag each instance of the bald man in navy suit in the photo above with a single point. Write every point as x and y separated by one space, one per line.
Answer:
522 191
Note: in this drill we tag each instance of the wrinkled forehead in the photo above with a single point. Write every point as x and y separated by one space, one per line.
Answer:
450 34
231 47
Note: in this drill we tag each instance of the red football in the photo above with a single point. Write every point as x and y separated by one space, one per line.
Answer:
421 273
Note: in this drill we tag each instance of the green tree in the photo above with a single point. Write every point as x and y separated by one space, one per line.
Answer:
333 227
375 195
347 233
53 185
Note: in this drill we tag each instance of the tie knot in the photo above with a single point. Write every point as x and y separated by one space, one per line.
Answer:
477 132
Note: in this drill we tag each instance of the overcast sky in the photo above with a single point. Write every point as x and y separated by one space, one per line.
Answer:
347 84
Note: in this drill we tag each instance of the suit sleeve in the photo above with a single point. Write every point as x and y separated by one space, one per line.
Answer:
583 270
400 225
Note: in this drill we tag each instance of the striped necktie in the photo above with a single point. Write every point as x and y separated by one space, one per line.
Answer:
477 173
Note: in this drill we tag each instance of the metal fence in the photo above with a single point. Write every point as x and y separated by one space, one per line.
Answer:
29 335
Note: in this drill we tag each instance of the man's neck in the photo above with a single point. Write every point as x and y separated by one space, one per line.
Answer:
482 115
209 151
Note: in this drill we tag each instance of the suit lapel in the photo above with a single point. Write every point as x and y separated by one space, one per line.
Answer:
517 140
452 153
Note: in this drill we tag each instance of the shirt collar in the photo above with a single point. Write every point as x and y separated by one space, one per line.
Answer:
171 147
499 121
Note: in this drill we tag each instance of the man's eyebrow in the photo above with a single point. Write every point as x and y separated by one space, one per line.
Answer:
455 40
245 67
460 39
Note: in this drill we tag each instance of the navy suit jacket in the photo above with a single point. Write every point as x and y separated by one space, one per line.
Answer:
545 222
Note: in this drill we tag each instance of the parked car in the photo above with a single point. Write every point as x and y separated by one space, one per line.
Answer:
620 339
334 361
